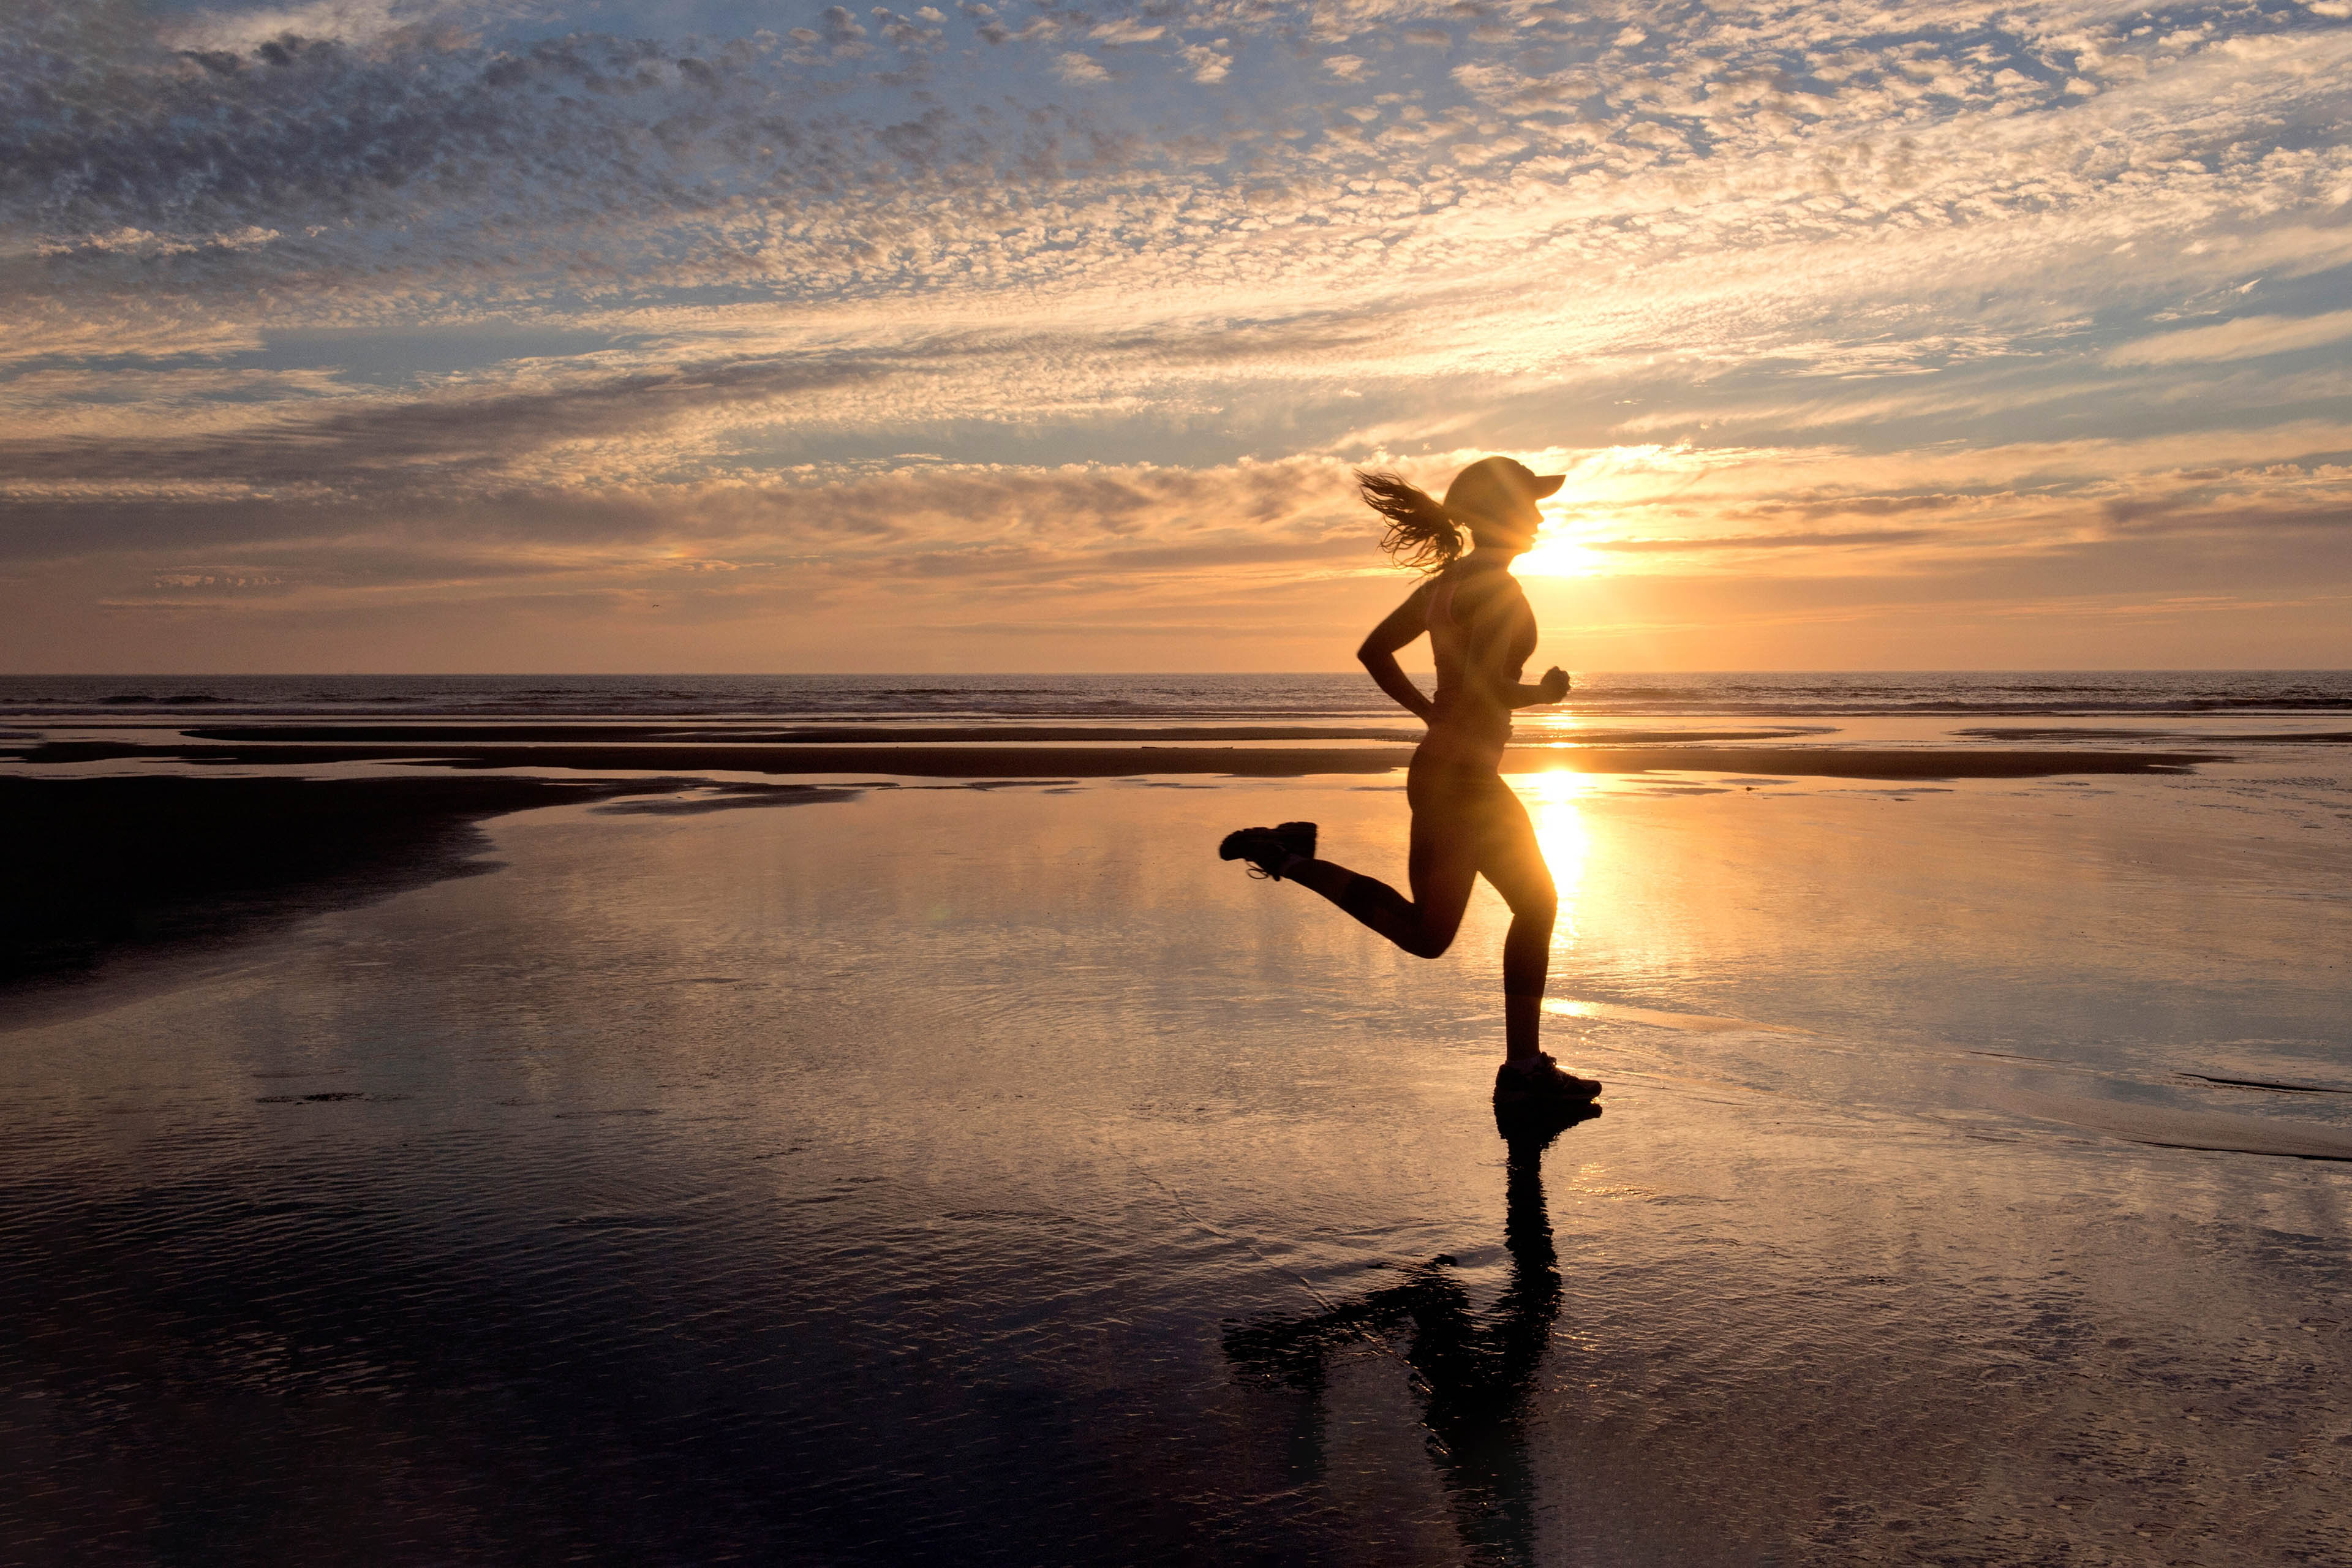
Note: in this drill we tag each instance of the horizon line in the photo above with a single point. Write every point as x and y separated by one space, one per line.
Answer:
1189 674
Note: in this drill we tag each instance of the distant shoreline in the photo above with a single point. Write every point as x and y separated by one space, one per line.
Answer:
1275 698
317 747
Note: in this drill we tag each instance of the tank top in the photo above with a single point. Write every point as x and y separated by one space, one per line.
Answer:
1449 642
1469 723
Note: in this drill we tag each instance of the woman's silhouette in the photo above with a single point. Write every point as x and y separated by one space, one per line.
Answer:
1466 822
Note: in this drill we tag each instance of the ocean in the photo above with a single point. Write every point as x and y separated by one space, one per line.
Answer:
1294 698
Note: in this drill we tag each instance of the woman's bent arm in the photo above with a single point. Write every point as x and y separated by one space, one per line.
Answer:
1378 654
1550 689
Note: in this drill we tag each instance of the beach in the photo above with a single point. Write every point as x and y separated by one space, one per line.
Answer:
891 1162
477 1087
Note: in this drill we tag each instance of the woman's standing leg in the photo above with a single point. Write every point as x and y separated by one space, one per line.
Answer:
1510 858
1467 824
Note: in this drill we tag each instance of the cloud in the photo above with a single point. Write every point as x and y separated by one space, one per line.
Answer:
1763 542
396 443
2249 337
1124 30
1208 65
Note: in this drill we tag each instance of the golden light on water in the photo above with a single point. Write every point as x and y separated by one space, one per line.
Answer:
1553 801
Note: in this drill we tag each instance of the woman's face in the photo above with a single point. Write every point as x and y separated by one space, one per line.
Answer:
1517 532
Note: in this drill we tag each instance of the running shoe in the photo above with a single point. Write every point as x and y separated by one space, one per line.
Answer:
1268 850
1545 1084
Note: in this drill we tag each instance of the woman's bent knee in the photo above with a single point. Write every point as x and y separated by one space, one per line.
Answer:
1428 943
1536 911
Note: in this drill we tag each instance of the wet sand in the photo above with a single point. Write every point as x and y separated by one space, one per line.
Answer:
994 1176
117 867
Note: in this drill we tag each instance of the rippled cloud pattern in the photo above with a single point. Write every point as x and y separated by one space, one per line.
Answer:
713 334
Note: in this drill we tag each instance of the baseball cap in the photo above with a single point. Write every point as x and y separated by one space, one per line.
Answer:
1492 490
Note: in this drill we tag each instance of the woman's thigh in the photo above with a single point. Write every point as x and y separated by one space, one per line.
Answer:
1447 831
1509 856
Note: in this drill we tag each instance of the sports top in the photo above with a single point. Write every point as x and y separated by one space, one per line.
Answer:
1467 715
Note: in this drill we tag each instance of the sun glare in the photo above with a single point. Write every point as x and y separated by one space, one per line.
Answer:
1552 800
1556 555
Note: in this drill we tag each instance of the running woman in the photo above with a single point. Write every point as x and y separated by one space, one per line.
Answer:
1466 822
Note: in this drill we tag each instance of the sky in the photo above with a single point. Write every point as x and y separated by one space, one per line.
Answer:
677 335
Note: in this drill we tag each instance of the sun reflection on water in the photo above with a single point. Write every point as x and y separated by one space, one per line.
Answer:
1552 800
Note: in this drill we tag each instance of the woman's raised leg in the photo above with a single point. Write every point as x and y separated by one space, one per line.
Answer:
1443 874
1441 865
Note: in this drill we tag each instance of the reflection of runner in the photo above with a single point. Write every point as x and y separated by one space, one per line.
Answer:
1478 1368
1466 822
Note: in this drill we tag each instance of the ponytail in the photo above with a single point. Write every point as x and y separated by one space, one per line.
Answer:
1421 533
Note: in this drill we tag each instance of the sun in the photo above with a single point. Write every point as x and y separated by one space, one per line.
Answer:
1556 555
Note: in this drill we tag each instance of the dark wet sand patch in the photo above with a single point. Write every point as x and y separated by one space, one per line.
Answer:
102 870
2088 733
2170 1128
1122 762
2265 1083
